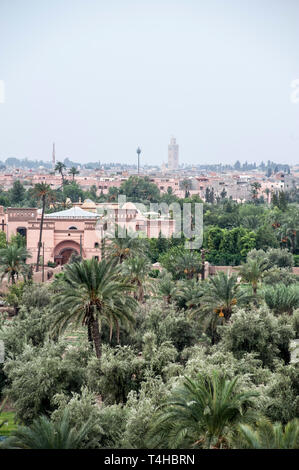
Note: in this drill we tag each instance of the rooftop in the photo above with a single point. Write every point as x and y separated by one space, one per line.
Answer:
73 213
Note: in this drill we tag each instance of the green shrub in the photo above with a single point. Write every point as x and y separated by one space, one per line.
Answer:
38 374
260 332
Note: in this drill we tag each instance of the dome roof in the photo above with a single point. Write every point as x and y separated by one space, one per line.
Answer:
88 204
129 206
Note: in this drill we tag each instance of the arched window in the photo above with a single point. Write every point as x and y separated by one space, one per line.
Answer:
73 228
22 231
96 245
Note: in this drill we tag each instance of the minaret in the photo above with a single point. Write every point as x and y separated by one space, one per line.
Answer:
173 155
53 156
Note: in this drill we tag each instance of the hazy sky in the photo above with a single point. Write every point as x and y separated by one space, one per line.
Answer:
100 77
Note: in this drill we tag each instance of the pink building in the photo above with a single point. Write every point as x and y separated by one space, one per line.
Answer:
77 230
64 233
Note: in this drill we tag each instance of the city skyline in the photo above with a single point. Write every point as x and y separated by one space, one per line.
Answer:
99 78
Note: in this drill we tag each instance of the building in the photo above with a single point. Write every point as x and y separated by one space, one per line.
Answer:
79 230
173 155
151 224
65 232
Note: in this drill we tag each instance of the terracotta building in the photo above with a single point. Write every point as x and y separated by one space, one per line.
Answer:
77 230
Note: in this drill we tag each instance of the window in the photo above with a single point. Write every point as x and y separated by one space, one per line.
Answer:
96 245
73 228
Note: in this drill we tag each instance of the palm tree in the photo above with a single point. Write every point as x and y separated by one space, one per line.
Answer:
136 270
281 298
91 292
255 187
186 185
189 264
267 192
188 294
167 287
73 171
200 413
220 295
46 434
43 192
269 436
253 271
60 167
12 261
125 245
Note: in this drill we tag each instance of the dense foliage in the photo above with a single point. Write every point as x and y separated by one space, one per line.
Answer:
123 356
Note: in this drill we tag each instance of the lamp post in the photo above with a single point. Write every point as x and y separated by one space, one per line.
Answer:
138 154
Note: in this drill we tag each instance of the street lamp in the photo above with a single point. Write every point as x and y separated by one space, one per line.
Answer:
138 154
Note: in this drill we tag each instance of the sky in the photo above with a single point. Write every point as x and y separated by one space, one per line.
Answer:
100 77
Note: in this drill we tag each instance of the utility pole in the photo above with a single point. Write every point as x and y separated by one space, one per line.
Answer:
43 272
138 155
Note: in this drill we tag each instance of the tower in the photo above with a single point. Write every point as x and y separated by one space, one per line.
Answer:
53 156
173 155
138 161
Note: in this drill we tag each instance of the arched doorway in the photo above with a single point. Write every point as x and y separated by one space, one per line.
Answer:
66 254
64 250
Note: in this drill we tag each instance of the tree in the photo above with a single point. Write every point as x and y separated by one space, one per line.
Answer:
216 303
282 298
259 332
136 270
113 192
125 245
60 167
47 370
167 288
73 171
199 413
140 189
45 434
18 240
3 242
186 185
73 191
280 258
253 271
255 187
221 295
42 191
17 193
181 263
223 193
188 294
91 292
266 435
12 261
